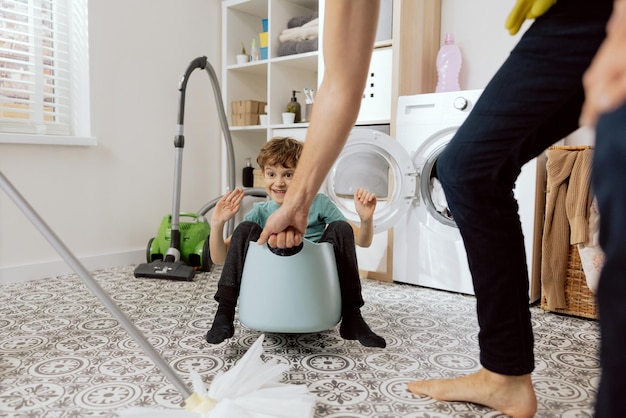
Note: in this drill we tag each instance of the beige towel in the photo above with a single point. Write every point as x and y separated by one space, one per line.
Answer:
307 31
567 208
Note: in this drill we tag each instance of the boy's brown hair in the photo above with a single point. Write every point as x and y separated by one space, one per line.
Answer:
284 151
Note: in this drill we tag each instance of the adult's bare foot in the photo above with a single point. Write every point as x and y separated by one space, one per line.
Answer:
511 395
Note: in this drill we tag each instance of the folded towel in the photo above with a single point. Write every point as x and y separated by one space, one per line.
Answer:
301 33
287 48
294 47
298 21
306 46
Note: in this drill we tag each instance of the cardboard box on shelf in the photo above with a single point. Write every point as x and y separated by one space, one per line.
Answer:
248 106
245 119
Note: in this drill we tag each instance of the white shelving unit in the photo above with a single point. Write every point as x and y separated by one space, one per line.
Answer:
271 80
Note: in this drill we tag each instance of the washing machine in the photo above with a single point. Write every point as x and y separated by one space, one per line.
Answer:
427 246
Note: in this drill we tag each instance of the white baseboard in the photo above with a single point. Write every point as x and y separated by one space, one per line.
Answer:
59 267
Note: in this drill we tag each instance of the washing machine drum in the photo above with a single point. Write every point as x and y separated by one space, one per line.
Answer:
375 161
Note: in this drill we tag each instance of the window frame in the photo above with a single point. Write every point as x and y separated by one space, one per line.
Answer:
80 120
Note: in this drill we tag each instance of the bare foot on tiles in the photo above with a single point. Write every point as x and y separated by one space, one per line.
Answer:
511 395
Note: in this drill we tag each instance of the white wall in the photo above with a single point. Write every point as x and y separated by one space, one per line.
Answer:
478 28
106 201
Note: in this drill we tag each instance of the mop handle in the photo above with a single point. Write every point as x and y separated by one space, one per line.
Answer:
91 283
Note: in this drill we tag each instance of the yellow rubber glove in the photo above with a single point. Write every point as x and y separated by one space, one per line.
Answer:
526 9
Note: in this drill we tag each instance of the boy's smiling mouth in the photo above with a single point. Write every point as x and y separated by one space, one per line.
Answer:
280 192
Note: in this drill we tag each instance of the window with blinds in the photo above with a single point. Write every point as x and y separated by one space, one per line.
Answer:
36 80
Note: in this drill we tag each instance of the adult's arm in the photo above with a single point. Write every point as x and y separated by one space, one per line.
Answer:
348 41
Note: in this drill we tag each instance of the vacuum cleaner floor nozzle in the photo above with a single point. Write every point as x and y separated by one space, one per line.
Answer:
160 269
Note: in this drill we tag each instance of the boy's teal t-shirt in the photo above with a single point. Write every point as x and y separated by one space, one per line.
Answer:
323 212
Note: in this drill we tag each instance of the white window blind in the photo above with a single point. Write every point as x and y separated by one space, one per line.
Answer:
37 86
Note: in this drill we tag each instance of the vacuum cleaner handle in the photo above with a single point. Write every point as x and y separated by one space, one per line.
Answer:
199 62
179 144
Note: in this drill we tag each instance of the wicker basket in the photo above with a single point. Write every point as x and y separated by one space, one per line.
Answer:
579 300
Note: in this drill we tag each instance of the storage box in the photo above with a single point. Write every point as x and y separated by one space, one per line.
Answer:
248 106
263 39
245 119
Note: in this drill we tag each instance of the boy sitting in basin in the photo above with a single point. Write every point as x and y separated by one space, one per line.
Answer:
278 159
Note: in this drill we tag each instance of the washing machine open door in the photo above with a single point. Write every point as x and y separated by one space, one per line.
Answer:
430 192
375 161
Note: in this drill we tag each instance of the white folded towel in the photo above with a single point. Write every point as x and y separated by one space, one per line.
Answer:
309 30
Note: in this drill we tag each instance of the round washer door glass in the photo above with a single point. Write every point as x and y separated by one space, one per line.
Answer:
430 190
375 161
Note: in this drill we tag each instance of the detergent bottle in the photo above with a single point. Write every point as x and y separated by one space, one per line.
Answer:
449 62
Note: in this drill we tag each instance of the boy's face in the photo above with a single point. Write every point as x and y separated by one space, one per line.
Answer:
277 180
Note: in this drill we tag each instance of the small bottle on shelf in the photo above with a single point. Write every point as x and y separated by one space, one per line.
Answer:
247 178
294 107
254 51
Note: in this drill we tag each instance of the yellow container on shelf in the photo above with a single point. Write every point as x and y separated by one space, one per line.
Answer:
263 39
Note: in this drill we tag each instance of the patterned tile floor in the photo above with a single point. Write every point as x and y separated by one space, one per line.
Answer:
63 355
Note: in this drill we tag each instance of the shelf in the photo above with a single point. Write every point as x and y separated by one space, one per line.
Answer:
255 67
306 61
258 128
255 8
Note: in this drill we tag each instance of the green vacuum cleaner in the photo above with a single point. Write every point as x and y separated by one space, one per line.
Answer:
181 248
194 242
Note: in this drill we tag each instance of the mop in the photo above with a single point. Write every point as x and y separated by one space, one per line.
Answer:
250 389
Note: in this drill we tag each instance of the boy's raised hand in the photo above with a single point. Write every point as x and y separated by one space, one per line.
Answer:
227 206
365 203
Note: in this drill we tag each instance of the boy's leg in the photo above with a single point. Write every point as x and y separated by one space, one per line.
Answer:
609 183
353 326
230 282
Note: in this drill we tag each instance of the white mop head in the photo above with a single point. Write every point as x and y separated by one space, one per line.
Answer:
250 389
